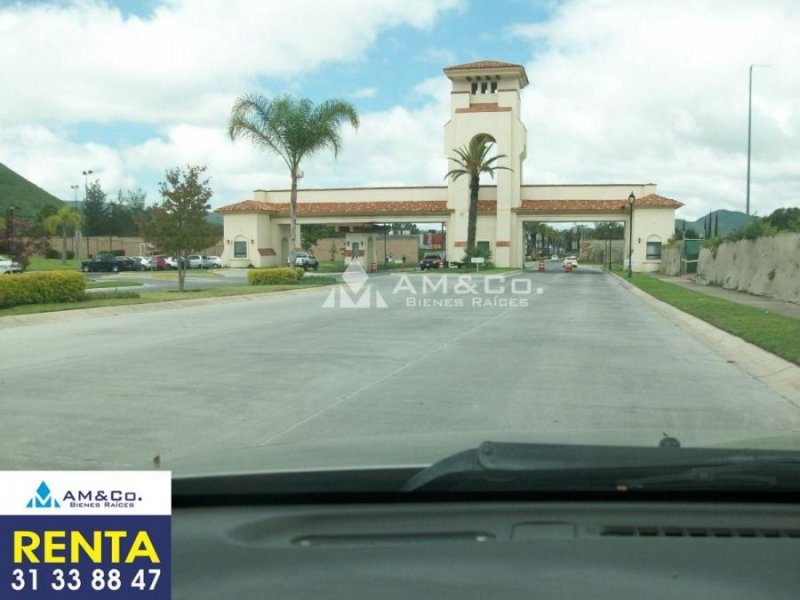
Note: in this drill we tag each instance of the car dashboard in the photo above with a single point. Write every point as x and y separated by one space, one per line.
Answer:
486 549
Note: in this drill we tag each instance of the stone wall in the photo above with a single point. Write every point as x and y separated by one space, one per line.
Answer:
594 251
768 266
670 261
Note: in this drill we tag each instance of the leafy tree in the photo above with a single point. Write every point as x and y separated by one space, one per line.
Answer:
785 219
64 220
293 129
691 234
47 210
125 211
311 234
95 211
398 227
179 225
473 160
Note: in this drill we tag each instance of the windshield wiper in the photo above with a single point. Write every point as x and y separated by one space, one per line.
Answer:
496 466
751 475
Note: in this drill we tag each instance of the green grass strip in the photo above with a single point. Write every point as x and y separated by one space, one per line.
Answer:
775 333
96 285
168 296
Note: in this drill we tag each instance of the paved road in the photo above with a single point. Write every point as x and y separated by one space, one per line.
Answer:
584 354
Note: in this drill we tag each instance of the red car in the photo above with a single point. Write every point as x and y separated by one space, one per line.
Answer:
160 262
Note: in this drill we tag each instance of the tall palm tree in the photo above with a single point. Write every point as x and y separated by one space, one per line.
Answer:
293 129
472 161
62 220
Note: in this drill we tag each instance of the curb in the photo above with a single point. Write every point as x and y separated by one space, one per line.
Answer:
780 375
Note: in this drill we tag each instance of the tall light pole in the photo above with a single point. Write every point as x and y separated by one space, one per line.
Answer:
75 189
749 133
85 198
631 200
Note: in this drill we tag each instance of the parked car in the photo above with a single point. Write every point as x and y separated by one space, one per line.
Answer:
571 260
8 266
212 262
172 262
306 260
146 261
160 262
431 261
195 261
111 263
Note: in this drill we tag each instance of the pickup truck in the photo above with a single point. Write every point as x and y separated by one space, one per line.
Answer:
109 262
8 266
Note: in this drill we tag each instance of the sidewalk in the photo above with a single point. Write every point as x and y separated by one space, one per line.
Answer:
789 309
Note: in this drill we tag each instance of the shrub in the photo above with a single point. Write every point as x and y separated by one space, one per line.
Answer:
41 288
53 254
275 275
484 253
753 230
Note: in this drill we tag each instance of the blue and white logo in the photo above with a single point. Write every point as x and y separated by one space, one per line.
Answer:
43 498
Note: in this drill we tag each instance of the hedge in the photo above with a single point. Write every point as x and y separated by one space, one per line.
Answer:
275 275
40 288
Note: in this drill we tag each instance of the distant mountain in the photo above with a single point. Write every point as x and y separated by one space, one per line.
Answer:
729 221
26 197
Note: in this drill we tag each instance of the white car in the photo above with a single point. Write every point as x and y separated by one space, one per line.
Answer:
572 261
212 262
147 261
172 262
305 260
8 266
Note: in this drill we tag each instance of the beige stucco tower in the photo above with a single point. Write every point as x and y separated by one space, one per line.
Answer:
485 98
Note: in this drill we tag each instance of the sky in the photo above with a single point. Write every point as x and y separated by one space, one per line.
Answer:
620 91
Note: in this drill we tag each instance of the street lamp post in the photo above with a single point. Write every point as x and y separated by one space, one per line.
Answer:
75 189
631 200
85 198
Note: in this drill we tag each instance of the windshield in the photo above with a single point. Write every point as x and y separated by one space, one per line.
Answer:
409 229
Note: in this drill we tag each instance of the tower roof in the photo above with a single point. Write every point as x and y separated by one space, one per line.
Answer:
480 68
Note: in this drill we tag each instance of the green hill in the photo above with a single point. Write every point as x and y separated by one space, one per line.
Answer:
729 221
27 198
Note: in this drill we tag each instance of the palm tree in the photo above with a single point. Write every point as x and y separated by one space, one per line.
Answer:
472 161
63 220
292 129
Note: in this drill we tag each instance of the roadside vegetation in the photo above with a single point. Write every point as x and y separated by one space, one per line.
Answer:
775 333
781 220
126 297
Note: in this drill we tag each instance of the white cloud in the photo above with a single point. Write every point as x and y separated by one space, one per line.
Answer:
367 92
620 91
84 60
632 91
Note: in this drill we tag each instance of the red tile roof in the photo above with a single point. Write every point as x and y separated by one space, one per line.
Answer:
309 209
571 206
426 207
